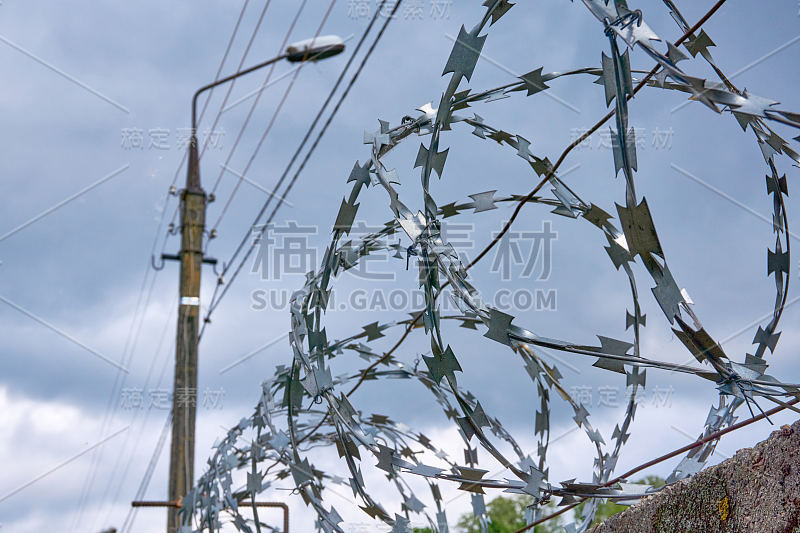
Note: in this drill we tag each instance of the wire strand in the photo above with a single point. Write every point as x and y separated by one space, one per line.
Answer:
215 300
268 129
127 525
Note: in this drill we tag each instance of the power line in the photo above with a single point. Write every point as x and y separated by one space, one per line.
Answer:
202 114
120 379
233 82
122 455
304 141
61 465
214 299
165 365
258 94
268 129
211 92
127 525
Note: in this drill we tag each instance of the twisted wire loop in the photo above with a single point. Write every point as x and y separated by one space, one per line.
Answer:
312 401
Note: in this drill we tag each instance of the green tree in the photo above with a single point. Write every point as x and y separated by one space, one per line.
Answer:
605 509
655 481
506 515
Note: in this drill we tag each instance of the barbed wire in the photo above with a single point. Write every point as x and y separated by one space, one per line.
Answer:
260 438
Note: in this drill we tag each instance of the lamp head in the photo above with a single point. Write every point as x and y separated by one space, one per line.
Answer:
315 49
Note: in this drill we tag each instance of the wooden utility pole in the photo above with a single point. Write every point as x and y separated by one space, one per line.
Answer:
193 220
184 397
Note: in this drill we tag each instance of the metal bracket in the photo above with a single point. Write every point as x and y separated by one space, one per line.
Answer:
159 266
177 504
177 257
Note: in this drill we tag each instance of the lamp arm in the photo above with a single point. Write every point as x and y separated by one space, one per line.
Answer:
225 80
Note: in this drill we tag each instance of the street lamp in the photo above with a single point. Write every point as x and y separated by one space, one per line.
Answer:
314 49
193 214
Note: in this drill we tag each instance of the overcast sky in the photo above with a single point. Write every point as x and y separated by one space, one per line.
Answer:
96 95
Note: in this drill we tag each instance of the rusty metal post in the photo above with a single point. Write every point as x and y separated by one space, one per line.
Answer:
278 505
184 397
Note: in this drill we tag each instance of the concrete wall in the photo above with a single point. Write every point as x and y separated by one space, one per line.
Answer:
757 490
